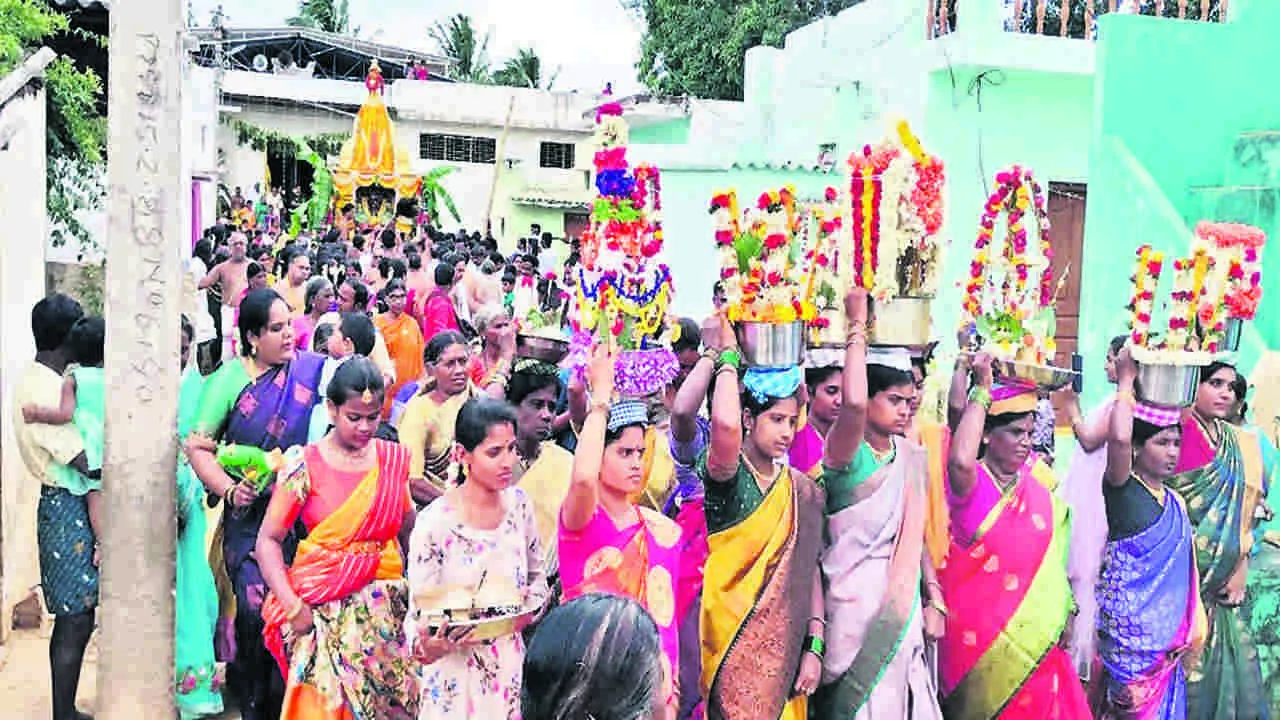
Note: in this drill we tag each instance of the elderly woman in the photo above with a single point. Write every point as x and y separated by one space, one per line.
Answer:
1006 575
490 369
426 427
317 300
262 399
335 617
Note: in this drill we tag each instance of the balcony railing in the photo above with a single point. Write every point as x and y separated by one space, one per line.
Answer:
1046 17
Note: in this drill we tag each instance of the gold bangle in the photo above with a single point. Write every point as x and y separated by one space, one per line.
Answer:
726 366
942 609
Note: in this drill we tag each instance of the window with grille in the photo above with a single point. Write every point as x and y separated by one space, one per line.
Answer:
458 148
556 155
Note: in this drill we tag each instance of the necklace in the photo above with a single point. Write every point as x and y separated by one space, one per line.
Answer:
1211 428
1157 494
881 457
1004 482
351 456
761 481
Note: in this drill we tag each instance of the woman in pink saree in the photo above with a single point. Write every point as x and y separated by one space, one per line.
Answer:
1005 577
608 543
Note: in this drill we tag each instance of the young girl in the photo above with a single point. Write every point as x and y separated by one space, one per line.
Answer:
84 403
476 546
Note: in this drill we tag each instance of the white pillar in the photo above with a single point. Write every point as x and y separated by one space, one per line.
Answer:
143 286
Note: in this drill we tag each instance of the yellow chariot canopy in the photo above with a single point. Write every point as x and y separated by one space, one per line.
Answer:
371 155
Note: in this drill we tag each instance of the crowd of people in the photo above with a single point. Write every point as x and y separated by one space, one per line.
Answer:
747 544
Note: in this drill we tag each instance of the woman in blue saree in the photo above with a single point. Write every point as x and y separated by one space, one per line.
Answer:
1150 618
262 399
1222 479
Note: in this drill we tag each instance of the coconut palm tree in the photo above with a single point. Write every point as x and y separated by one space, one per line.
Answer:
331 16
524 70
458 39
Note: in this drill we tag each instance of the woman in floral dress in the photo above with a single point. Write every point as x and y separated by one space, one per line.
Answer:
477 546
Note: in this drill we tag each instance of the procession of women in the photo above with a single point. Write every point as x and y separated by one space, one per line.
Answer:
422 480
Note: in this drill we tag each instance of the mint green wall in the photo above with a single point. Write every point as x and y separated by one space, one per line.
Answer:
1038 120
667 132
690 247
1172 99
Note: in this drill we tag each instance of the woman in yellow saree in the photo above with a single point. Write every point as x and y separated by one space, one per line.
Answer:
426 427
334 619
762 615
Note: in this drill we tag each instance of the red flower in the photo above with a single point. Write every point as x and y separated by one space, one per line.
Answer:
764 201
724 237
775 241
830 194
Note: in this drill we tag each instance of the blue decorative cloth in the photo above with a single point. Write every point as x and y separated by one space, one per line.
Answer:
767 383
627 412
68 577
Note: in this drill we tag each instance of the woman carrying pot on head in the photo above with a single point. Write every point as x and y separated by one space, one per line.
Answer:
426 427
1150 618
476 547
762 602
1223 475
607 542
877 502
263 400
335 616
1005 579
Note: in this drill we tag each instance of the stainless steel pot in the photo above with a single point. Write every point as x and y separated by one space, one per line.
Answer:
900 322
769 345
1167 385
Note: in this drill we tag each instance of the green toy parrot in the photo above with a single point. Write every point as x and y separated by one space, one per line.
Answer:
250 464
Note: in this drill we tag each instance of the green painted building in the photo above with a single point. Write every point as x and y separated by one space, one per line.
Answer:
1138 126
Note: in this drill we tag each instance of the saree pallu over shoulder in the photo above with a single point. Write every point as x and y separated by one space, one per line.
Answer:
1150 619
1010 601
1221 498
348 550
876 548
756 599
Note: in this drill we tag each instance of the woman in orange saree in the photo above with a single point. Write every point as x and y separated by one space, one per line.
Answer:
404 340
334 619
1005 577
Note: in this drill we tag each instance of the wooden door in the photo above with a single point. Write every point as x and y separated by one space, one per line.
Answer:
1066 234
574 225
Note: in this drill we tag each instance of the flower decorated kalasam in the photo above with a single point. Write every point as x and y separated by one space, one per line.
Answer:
1237 252
1009 293
623 288
896 214
1197 312
761 257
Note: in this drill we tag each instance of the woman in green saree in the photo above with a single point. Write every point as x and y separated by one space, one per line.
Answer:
1221 476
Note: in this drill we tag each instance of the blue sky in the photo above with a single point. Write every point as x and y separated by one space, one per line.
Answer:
593 41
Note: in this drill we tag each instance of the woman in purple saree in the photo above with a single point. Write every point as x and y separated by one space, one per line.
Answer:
262 399
1150 618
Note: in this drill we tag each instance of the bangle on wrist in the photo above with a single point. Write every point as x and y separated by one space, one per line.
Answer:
816 645
980 395
297 610
229 493
730 358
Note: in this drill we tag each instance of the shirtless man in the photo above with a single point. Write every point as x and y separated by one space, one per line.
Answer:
231 279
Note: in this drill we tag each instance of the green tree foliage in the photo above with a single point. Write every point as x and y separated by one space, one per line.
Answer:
697 47
524 70
75 132
457 38
331 16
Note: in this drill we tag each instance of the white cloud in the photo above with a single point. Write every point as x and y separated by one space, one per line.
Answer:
593 41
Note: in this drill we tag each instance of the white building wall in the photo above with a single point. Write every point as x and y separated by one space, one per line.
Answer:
22 203
471 184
